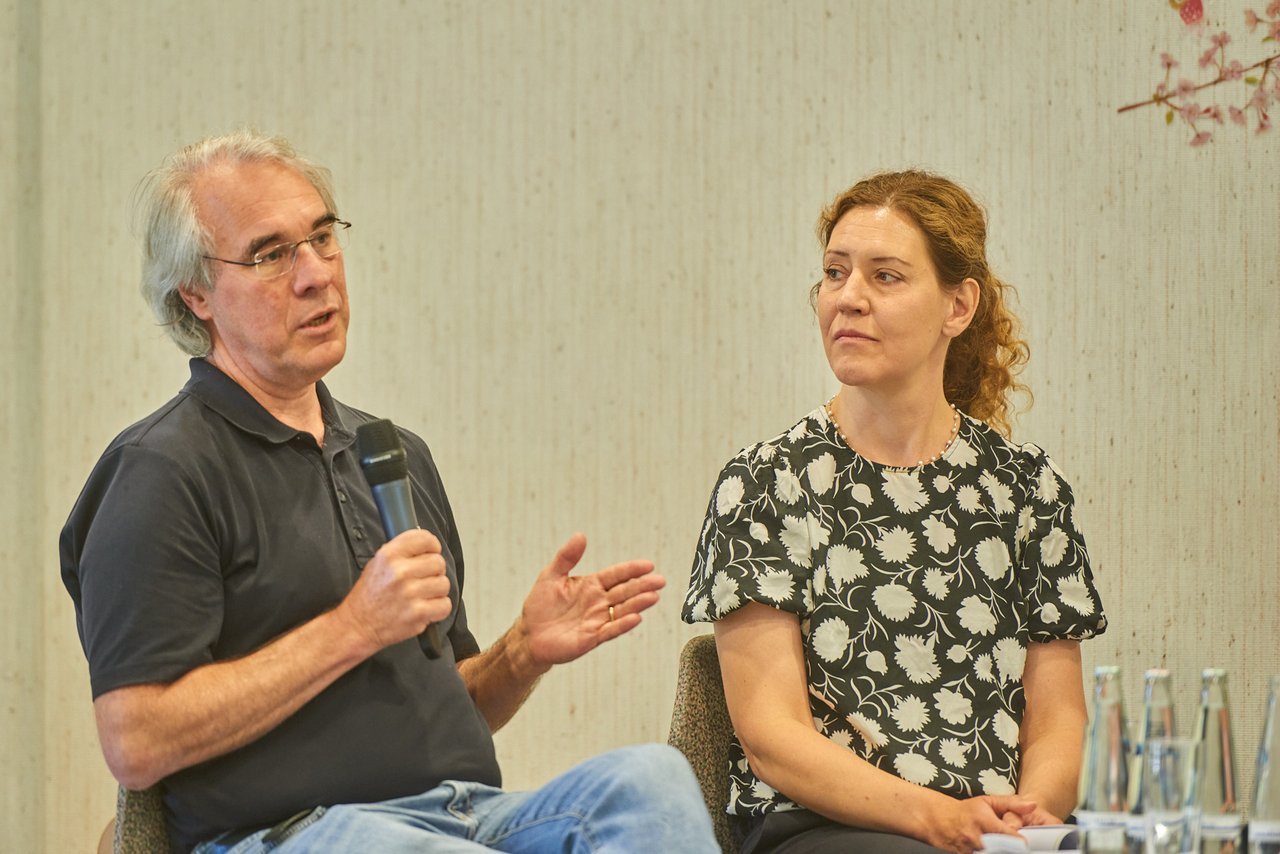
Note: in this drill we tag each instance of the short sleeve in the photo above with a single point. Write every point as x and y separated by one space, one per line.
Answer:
147 579
1054 572
756 543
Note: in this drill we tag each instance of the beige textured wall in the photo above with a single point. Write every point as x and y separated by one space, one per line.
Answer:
579 268
22 554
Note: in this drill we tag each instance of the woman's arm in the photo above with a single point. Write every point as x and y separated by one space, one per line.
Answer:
1052 733
762 661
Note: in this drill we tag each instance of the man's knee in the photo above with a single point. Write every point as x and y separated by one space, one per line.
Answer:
651 766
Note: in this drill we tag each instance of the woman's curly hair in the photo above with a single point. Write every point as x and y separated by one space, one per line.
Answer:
983 361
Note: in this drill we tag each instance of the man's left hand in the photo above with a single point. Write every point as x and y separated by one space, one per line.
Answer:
566 616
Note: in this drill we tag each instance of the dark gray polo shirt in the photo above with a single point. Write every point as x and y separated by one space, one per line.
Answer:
209 528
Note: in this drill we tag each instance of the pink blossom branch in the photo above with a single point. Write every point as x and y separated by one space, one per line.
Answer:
1164 98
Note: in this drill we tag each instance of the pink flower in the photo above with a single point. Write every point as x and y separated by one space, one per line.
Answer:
1273 8
1207 58
1201 138
1222 39
1275 29
1233 71
1214 112
1251 19
1168 61
1237 115
1264 122
1161 90
1190 111
1261 98
1186 87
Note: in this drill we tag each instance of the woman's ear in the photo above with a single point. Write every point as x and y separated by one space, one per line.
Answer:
964 304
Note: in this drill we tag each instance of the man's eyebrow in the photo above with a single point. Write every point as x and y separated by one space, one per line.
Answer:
275 236
263 242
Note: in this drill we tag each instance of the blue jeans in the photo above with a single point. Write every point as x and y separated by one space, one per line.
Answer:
634 799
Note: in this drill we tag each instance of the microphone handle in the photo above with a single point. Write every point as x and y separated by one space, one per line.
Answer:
395 506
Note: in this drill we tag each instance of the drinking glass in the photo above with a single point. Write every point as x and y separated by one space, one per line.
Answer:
1171 813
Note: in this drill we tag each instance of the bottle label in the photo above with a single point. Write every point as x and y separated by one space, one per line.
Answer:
1091 820
1264 831
1218 827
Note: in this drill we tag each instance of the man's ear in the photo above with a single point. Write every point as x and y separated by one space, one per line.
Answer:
964 304
197 299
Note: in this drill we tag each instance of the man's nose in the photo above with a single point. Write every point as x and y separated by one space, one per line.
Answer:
312 271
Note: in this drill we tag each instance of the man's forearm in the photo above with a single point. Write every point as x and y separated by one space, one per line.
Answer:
500 679
150 731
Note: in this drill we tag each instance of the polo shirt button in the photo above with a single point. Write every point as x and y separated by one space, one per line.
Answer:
359 534
342 496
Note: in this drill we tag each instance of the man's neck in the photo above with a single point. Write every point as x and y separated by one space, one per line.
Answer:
297 408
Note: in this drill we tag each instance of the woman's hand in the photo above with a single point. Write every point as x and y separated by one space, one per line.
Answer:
1038 816
958 825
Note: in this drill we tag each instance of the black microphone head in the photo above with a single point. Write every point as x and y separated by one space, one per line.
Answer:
381 454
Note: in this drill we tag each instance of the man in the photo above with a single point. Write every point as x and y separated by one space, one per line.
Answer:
254 646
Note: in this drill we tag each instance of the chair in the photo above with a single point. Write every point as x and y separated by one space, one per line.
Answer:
139 826
700 729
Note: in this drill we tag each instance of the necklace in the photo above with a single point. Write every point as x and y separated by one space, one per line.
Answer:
951 437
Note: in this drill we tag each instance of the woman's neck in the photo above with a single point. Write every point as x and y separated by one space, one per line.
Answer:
897 431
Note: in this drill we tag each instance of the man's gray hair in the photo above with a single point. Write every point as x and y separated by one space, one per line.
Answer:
175 241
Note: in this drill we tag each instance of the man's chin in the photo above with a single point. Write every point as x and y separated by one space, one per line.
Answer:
322 359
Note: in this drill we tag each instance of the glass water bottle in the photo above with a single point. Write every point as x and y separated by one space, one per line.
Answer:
1104 777
1157 722
1264 819
1220 820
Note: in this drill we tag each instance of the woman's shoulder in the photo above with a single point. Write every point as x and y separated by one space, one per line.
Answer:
1025 466
989 442
792 449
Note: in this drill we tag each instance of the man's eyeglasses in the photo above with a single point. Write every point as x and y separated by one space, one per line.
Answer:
279 258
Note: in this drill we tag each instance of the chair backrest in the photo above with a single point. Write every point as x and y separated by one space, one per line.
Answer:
701 730
140 823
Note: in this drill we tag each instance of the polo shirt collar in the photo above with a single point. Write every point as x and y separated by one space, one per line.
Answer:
229 399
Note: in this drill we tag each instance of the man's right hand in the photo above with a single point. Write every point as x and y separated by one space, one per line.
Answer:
400 592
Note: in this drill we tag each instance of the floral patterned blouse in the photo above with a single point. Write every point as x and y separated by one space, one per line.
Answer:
917 590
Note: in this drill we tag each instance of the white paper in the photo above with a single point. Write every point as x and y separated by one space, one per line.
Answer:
1048 837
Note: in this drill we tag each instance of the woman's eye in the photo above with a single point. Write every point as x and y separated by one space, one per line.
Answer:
887 277
833 274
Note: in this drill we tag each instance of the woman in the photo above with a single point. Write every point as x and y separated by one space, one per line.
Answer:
899 591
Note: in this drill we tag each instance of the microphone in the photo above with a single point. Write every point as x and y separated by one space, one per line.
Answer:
386 467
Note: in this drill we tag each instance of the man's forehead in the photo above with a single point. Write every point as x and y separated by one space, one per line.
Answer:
240 201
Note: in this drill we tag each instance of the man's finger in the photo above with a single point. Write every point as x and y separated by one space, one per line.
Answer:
620 573
619 625
415 541
645 584
567 556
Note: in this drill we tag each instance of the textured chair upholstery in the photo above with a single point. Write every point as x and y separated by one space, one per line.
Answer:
140 825
701 730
